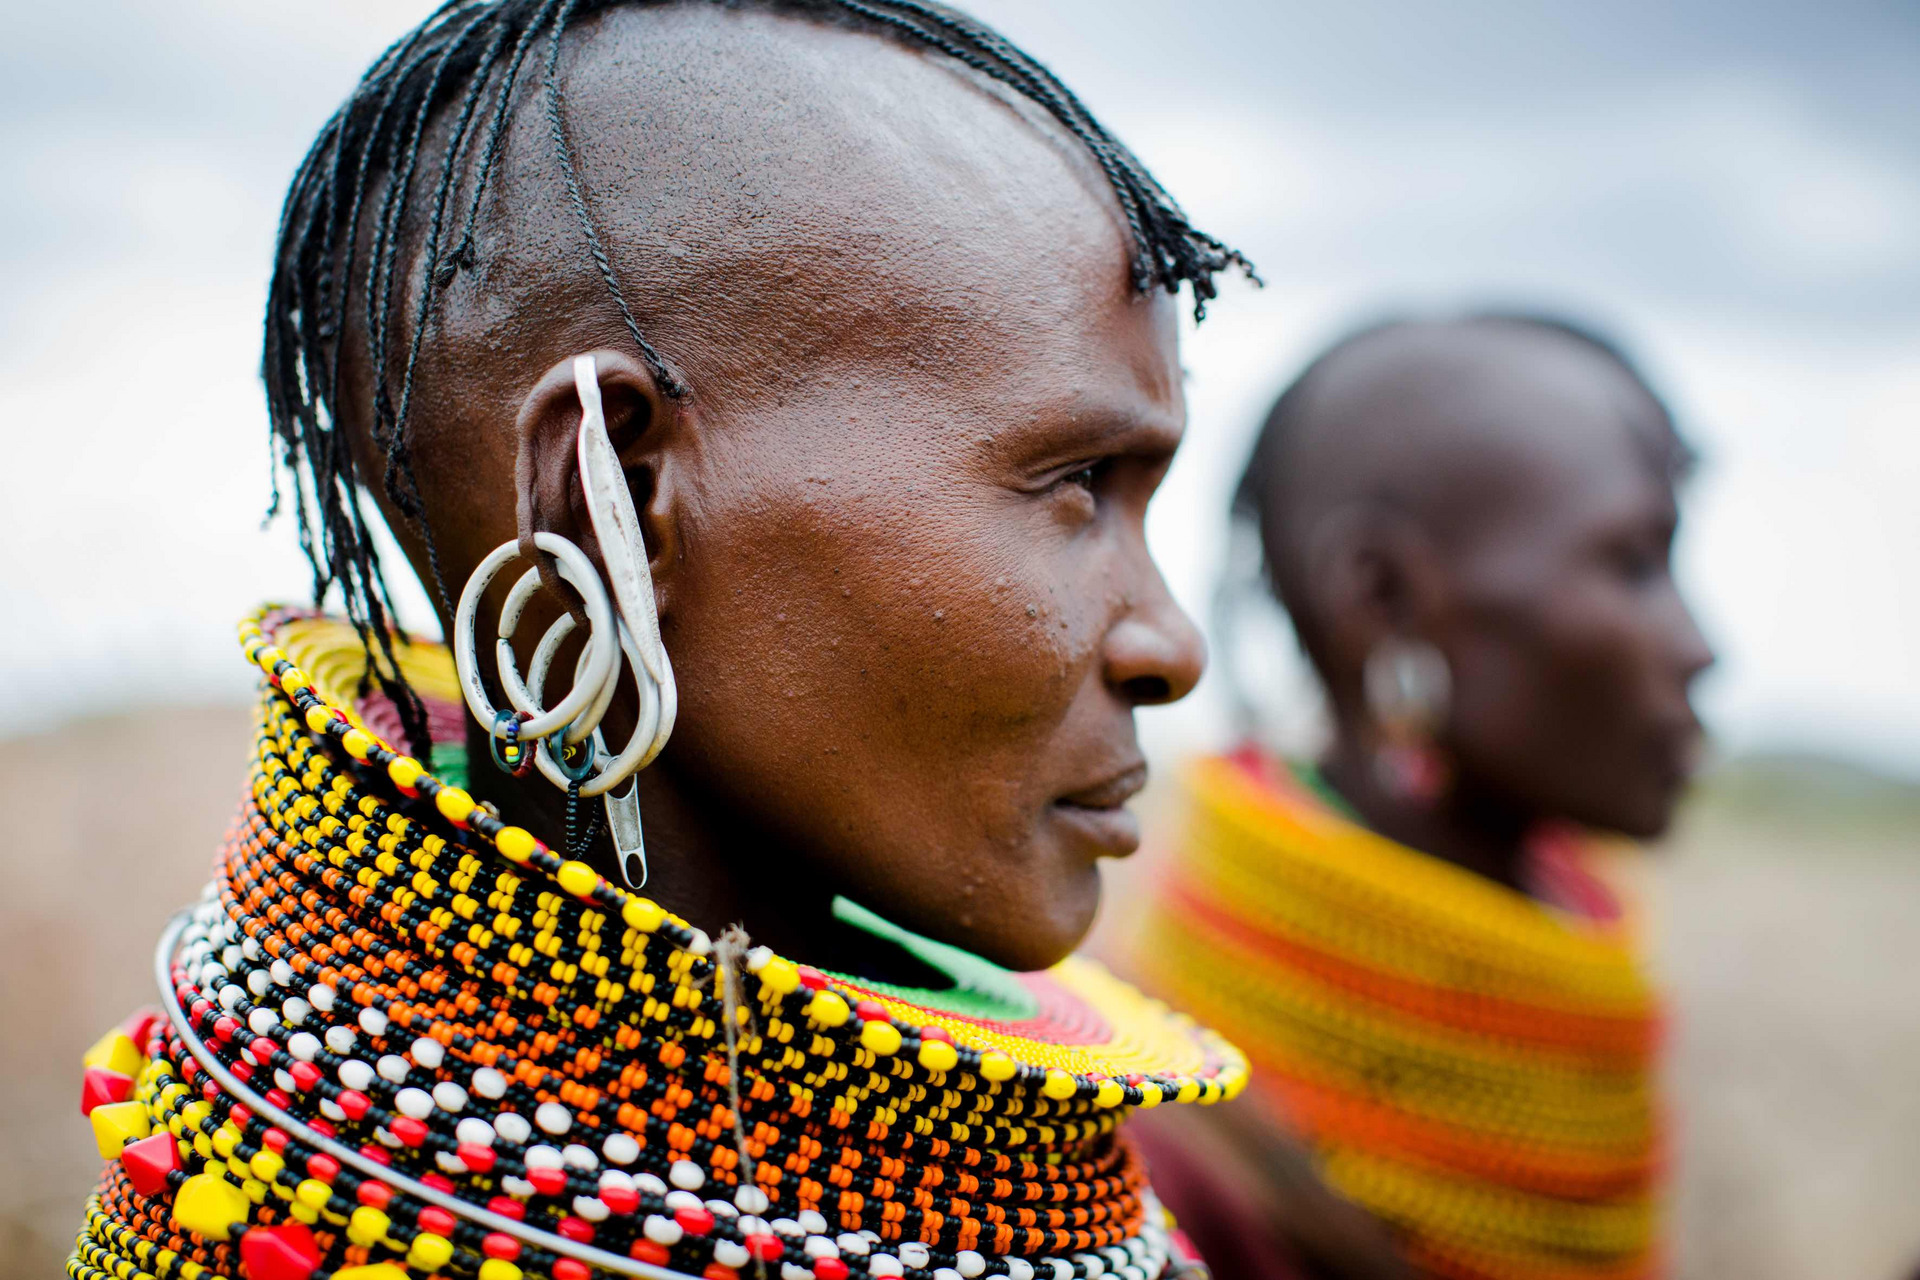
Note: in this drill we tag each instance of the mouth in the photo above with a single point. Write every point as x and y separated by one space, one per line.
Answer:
1099 812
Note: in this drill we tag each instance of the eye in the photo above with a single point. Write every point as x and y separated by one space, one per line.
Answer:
1089 475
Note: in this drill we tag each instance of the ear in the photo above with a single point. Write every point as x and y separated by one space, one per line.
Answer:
644 425
1373 573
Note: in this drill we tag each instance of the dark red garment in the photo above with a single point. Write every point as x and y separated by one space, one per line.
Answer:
1216 1212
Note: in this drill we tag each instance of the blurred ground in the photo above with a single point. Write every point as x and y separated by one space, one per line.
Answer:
1785 913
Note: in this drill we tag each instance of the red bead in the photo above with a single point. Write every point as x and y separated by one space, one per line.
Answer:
200 1009
829 1269
765 1247
718 1271
936 1033
499 1244
149 1161
694 1219
508 1207
305 1075
189 1069
322 1166
811 978
354 1103
576 1229
438 1181
226 1028
323 1127
210 1090
239 1115
437 1220
141 1025
375 1194
286 1252
376 1153
408 1130
280 1098
274 1139
870 1011
476 1156
645 1250
568 1269
241 1071
99 1086
262 1047
620 1200
548 1182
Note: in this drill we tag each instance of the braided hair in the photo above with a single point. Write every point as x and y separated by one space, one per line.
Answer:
342 233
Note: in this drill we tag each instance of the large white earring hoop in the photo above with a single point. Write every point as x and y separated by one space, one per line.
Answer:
623 630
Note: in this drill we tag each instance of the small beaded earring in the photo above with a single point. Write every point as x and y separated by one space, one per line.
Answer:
565 740
1408 687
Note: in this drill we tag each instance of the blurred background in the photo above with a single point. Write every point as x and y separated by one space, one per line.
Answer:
1733 189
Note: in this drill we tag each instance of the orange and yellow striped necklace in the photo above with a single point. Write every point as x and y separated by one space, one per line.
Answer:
1469 1065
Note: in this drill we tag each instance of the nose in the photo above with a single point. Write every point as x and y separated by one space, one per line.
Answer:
1154 654
1693 654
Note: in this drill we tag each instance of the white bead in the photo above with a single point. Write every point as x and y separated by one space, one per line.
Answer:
1131 1272
682 1200
281 972
450 1162
544 1157
1094 1263
885 1264
286 1082
232 957
869 1235
969 1264
620 1148
373 1022
686 1175
518 1188
750 1198
449 1096
728 1253
811 1222
821 1247
617 1179
662 1230
721 1209
250 949
331 1110
794 1271
231 996
945 1273
262 1020
303 1045
393 1067
701 945
787 1227
381 1135
915 1254
258 983
650 1185
489 1083
553 1118
1116 1256
295 1010
322 997
340 1039
512 1126
853 1244
1062 1269
474 1131
757 959
592 1208
579 1157
417 1103
428 1052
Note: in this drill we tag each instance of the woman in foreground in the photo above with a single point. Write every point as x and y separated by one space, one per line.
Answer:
1469 523
786 384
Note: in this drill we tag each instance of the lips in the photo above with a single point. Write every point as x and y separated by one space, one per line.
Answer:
1099 814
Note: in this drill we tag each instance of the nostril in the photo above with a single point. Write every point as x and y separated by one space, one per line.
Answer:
1147 691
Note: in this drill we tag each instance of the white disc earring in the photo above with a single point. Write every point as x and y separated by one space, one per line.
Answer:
623 630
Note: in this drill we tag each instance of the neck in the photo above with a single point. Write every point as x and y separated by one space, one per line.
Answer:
711 870
1465 826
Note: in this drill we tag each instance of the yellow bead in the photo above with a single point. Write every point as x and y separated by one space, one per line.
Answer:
938 1055
367 1225
357 742
210 1206
115 1124
294 681
497 1269
429 1252
377 1271
318 718
1150 1096
643 914
780 976
880 1037
1109 1094
515 844
1059 1085
312 1192
577 878
225 1138
115 1051
405 771
828 1009
266 1165
454 804
1189 1090
997 1066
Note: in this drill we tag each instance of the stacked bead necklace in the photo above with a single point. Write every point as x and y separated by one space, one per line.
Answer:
403 1038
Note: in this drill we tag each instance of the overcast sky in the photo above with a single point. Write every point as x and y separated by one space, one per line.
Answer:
1732 188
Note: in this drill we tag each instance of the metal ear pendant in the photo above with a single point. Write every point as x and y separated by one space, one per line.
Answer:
623 821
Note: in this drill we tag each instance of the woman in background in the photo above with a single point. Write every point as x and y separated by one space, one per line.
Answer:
1469 523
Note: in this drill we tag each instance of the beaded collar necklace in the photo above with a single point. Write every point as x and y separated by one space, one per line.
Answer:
402 1037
